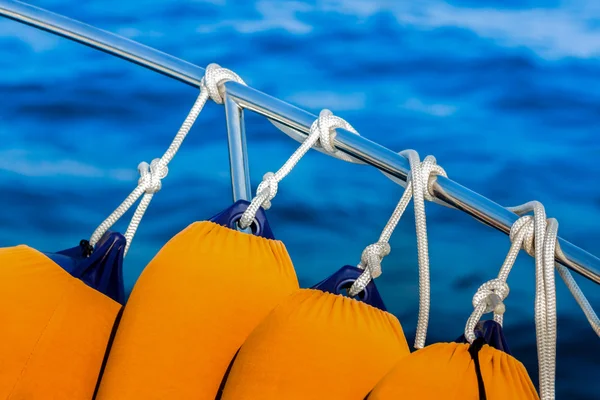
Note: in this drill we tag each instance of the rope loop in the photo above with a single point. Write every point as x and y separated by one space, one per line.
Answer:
322 133
213 80
430 169
326 126
537 235
419 178
151 174
419 187
488 298
525 225
491 295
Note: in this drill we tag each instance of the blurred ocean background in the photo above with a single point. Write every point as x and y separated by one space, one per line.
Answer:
504 93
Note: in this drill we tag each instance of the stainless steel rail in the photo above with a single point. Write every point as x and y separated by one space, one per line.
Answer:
102 40
238 153
295 121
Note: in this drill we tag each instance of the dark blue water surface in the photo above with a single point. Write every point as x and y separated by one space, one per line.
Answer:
504 93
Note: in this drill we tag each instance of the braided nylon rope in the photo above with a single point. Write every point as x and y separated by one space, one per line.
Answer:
538 237
418 186
533 233
152 174
322 131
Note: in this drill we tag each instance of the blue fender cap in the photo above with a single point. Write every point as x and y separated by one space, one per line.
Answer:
342 279
492 334
102 269
231 216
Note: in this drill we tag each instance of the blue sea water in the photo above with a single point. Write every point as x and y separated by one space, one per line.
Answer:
503 93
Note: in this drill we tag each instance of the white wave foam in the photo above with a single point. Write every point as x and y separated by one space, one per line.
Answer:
567 31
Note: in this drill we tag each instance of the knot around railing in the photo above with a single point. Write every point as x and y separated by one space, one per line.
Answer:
322 131
429 169
325 125
214 77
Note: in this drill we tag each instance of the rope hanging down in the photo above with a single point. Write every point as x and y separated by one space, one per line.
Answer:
322 132
418 186
537 236
152 174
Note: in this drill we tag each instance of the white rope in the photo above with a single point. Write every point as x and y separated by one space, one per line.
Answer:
543 245
489 296
151 174
418 186
538 237
583 302
322 132
300 137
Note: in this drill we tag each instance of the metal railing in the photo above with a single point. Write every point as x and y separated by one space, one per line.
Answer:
292 120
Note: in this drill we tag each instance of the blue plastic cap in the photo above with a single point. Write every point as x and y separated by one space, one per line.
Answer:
340 282
102 269
492 334
231 216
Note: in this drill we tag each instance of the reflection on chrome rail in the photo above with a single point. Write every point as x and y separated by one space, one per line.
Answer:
290 119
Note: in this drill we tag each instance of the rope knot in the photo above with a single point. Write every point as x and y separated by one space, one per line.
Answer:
322 130
371 258
525 226
213 79
370 262
429 169
265 192
492 294
424 170
151 175
268 188
326 125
